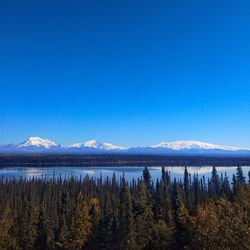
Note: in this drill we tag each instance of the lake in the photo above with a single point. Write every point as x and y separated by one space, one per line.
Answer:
96 172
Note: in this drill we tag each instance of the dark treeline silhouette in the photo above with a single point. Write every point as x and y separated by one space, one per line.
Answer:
117 160
113 214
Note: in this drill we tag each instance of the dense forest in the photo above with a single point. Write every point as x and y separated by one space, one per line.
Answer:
113 214
46 160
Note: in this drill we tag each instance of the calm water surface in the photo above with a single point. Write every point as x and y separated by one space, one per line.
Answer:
96 172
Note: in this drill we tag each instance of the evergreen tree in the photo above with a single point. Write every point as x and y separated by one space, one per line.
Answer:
234 183
168 178
240 178
101 213
225 188
143 219
82 224
215 224
27 230
163 236
215 182
95 215
41 240
158 208
106 222
196 190
32 228
163 174
186 186
115 233
7 239
147 177
181 219
126 219
63 229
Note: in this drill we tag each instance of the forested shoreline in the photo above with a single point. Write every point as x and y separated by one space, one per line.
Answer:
113 214
47 160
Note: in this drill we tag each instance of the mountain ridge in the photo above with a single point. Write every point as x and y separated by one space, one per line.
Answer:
40 145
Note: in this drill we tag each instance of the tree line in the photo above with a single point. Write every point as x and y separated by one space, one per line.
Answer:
47 160
112 213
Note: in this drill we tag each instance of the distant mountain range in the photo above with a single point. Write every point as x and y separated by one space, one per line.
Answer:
46 146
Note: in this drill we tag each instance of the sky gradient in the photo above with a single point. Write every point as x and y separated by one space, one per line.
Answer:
126 72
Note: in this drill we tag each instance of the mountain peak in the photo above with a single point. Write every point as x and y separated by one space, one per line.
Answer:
97 145
192 145
104 146
38 142
92 144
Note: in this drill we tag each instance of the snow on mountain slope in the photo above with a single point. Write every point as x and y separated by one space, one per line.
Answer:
39 145
109 146
193 145
97 145
38 142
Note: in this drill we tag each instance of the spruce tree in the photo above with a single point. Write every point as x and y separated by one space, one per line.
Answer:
215 182
95 216
126 219
196 190
163 174
240 178
63 229
81 224
147 177
163 236
32 228
181 219
106 222
186 187
234 182
115 235
225 188
41 240
7 239
144 218
158 208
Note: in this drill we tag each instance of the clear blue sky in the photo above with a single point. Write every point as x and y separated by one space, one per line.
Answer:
128 72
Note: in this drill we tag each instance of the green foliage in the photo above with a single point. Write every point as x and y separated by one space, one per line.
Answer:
81 224
240 178
186 187
143 218
126 219
105 236
220 225
163 235
215 183
98 214
7 240
41 240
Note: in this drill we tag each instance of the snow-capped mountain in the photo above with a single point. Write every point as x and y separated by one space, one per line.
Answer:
38 142
97 145
39 145
188 147
193 145
31 145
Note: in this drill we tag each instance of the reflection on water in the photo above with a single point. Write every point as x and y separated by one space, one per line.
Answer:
96 172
